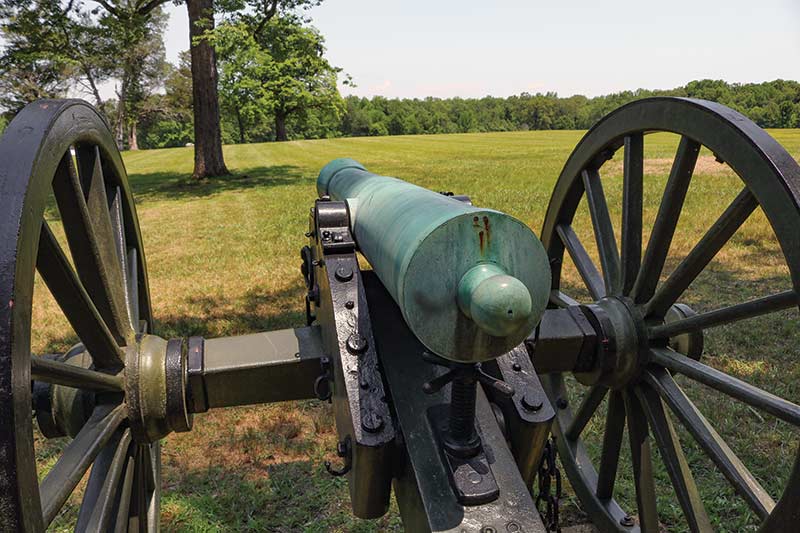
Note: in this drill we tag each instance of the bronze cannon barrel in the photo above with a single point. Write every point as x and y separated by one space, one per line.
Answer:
471 283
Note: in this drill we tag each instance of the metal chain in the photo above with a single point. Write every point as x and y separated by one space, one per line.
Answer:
548 470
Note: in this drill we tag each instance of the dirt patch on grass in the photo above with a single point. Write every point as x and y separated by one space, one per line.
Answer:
706 166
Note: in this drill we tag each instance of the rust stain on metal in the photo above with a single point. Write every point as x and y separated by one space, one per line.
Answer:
481 240
487 231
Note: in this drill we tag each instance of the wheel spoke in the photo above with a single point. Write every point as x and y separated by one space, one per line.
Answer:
718 451
674 460
641 455
704 251
603 230
77 457
61 373
98 509
76 304
726 315
666 220
632 195
125 493
133 287
589 405
588 272
736 388
559 299
118 229
87 224
612 444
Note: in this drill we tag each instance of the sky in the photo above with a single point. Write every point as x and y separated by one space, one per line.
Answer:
444 48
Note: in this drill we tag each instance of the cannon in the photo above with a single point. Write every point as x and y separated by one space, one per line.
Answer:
456 351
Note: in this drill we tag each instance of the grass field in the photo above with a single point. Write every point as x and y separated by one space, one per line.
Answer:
223 259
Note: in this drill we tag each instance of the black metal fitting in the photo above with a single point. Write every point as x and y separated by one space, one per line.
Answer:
322 385
197 399
179 417
344 450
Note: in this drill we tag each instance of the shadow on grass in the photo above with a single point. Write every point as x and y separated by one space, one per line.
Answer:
174 186
257 310
291 496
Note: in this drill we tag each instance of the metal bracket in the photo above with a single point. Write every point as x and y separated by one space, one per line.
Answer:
359 402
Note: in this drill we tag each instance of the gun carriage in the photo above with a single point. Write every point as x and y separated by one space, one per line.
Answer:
449 361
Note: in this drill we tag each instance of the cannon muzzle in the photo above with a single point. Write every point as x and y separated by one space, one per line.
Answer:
471 283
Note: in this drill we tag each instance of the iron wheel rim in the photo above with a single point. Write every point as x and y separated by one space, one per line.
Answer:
770 175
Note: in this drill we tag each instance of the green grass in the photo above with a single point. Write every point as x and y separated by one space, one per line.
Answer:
223 260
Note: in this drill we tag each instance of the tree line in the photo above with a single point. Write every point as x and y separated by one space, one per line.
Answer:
247 117
256 71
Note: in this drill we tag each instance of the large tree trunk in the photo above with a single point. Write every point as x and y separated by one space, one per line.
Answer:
133 143
207 137
280 126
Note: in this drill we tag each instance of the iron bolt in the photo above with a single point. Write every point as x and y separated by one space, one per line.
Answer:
349 304
562 403
488 529
513 527
530 402
372 422
344 273
356 344
626 521
516 367
326 235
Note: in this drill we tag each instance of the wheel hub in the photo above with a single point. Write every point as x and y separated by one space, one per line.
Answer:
156 388
623 349
155 392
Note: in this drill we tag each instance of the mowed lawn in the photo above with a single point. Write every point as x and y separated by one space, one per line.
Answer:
223 259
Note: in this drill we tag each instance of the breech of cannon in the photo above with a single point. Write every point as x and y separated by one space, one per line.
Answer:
471 283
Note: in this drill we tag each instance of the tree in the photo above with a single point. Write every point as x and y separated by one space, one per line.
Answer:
140 65
208 160
50 49
300 78
279 70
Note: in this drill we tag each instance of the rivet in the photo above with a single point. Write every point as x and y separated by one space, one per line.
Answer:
349 304
344 273
531 402
562 403
488 529
372 422
356 343
513 527
516 367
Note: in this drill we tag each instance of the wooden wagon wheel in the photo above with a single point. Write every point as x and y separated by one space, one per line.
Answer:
651 336
65 147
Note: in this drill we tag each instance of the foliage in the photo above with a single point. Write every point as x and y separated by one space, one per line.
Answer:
49 49
278 74
773 104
